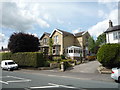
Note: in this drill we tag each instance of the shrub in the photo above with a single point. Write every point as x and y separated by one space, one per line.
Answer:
109 55
91 57
67 63
57 58
62 57
31 59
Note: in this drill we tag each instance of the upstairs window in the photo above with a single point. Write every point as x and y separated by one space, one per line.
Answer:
45 40
56 39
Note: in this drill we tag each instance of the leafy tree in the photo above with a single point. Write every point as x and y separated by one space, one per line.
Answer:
50 48
50 45
101 39
21 42
91 44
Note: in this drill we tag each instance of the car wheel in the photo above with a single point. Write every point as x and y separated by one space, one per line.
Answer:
9 69
119 79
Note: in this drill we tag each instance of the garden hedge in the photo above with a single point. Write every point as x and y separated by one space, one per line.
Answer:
30 59
109 55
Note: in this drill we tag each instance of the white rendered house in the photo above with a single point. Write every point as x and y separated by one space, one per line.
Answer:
113 33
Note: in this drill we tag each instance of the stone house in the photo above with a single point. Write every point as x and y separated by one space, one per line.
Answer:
66 43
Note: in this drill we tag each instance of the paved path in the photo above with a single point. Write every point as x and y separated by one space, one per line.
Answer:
89 67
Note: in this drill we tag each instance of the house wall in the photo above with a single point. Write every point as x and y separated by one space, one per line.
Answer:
82 41
68 41
110 39
45 36
85 38
78 41
60 41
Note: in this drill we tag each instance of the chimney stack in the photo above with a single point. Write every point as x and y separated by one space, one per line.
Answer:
110 23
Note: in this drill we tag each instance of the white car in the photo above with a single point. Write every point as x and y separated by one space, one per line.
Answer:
115 74
9 65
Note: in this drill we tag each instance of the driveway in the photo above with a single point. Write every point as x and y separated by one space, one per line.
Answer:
89 67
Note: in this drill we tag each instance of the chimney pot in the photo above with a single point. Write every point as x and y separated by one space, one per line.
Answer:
110 23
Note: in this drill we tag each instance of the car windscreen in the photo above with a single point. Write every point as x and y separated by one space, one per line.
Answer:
10 63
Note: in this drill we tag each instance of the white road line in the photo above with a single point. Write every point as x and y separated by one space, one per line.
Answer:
44 87
16 77
61 85
27 80
52 75
4 76
4 82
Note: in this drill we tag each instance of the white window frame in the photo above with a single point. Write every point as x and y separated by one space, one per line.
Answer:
56 39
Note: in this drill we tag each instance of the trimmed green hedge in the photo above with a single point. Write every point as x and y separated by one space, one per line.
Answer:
31 59
109 55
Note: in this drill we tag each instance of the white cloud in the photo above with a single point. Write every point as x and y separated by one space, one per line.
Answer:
102 26
60 21
3 40
106 1
20 16
102 14
2 37
42 23
76 30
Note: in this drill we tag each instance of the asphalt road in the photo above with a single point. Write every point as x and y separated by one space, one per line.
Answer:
19 80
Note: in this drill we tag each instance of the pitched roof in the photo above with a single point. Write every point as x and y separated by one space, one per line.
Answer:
114 28
79 34
45 33
64 32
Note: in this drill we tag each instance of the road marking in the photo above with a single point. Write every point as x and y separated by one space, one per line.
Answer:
61 85
16 77
4 76
4 82
44 87
52 75
19 81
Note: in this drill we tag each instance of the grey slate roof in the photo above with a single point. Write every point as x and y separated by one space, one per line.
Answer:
114 28
65 33
45 33
78 34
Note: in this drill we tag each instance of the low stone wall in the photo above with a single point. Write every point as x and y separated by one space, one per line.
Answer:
53 65
103 70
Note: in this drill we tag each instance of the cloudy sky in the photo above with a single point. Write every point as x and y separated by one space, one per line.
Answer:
39 17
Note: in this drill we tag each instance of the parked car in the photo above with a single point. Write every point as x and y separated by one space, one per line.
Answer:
9 65
116 74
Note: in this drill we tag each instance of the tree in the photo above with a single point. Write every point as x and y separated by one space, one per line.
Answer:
50 48
50 45
21 42
101 39
91 44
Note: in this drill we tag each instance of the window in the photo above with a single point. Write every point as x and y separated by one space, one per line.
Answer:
45 41
116 35
5 63
70 51
56 39
119 35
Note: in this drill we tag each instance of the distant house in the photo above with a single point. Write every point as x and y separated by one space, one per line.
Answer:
113 33
66 43
44 43
4 50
